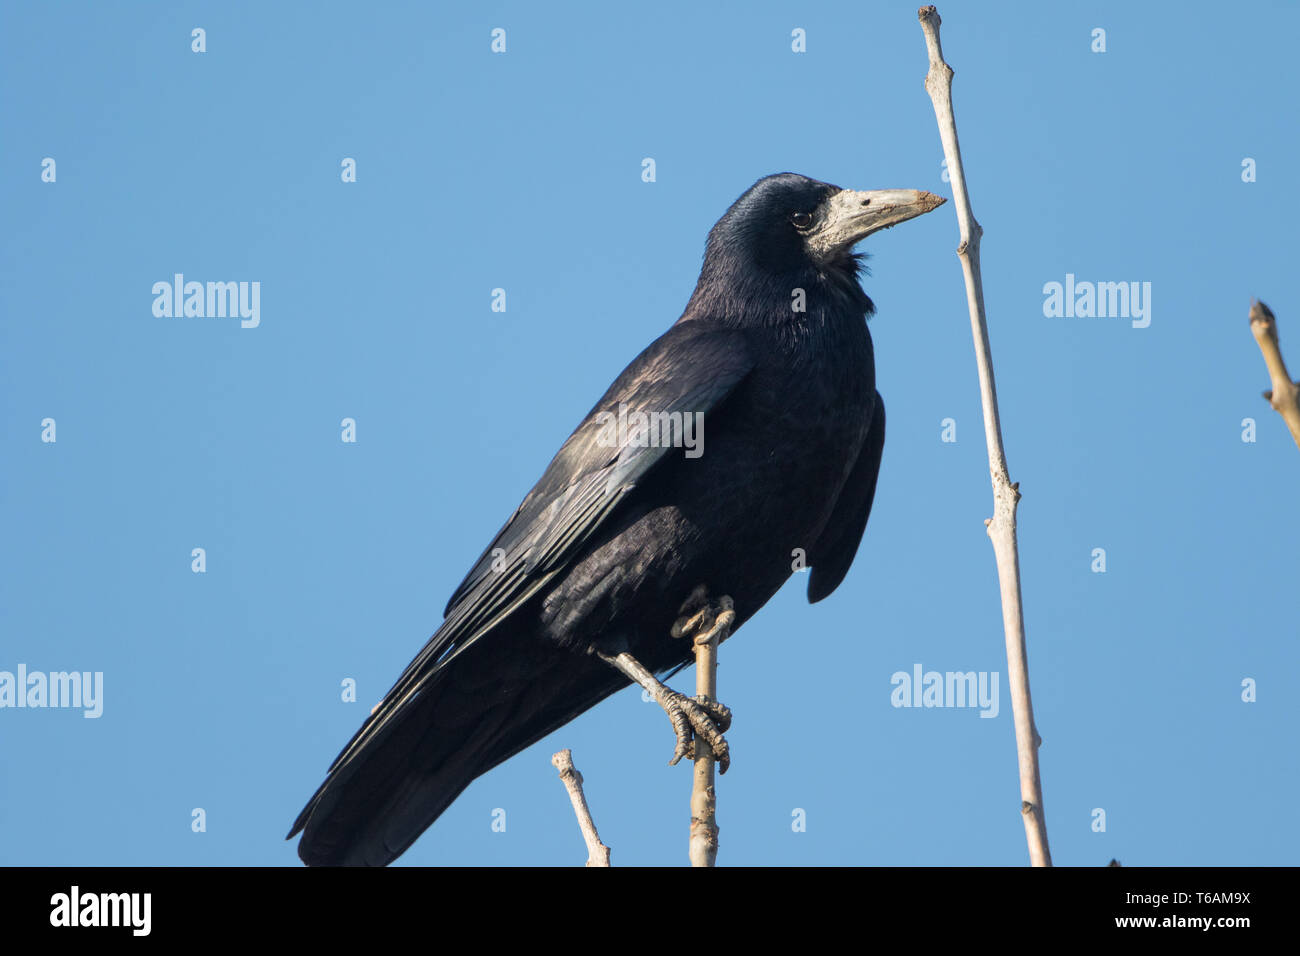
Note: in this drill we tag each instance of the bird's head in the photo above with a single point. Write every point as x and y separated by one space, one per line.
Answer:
788 229
787 218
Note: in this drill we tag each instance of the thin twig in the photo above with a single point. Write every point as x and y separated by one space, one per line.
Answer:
1285 394
597 852
1002 526
704 803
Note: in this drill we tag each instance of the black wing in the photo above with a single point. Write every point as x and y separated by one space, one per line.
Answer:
834 551
692 367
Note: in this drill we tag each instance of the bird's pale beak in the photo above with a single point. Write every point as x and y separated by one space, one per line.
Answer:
851 215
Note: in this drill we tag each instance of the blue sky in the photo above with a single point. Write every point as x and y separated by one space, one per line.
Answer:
522 170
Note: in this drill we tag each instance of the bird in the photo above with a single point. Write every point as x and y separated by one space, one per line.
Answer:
744 440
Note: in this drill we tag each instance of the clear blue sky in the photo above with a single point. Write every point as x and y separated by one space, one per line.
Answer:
327 560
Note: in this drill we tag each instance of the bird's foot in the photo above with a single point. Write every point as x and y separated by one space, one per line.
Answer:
693 718
700 717
702 621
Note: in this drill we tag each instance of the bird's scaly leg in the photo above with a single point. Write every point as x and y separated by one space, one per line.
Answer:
690 716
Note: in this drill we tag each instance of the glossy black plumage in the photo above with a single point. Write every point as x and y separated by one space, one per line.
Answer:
611 540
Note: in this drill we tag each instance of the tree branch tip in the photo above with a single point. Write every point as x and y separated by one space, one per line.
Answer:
563 762
597 852
1259 312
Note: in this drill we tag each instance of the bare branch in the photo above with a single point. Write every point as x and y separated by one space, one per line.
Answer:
597 852
704 804
1285 394
1006 494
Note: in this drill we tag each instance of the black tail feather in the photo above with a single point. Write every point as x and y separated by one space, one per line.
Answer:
482 708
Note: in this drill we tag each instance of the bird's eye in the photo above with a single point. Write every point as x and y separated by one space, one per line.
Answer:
801 220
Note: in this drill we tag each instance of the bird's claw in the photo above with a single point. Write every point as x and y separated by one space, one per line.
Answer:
701 620
703 718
